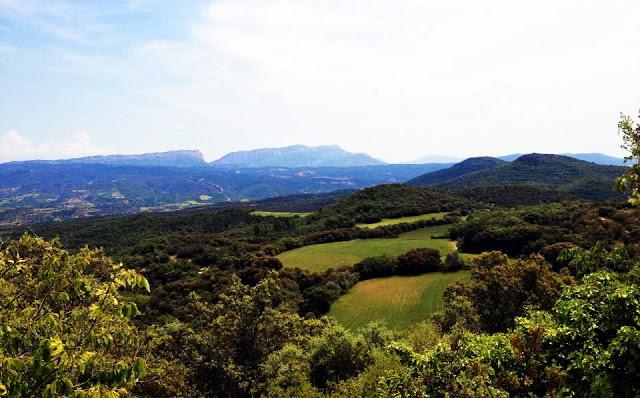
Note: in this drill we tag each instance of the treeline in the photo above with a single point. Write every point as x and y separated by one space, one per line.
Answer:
548 228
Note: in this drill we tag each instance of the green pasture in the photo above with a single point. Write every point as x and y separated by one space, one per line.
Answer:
402 220
400 301
330 255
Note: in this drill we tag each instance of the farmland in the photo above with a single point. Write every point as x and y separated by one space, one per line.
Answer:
400 301
327 255
402 220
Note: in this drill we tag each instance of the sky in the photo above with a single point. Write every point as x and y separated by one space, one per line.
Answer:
397 79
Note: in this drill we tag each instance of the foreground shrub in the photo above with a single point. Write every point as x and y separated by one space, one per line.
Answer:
64 328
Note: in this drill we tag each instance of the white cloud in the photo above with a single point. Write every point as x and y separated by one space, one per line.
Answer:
398 79
14 146
404 78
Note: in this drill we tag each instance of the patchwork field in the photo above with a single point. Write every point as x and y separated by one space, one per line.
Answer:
330 255
278 214
400 301
403 220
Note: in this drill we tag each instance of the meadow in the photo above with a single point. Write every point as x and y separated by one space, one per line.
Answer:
402 220
399 301
320 257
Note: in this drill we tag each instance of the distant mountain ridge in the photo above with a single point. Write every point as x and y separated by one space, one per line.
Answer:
297 156
182 158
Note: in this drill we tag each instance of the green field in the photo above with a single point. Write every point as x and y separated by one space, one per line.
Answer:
403 220
400 301
278 214
330 255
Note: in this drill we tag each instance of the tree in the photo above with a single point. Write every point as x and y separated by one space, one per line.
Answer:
453 262
630 181
64 328
499 290
419 261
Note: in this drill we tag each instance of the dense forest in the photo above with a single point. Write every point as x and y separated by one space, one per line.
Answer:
196 303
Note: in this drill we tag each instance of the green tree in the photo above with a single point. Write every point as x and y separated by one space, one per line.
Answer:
64 328
630 181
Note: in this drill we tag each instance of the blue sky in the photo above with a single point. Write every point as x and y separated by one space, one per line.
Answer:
398 79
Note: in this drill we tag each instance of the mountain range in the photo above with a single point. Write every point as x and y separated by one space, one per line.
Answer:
36 191
297 156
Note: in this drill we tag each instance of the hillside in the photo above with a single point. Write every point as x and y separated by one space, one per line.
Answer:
297 156
391 201
579 178
467 166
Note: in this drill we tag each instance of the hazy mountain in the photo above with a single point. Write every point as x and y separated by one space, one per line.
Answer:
467 166
582 179
598 158
510 158
297 156
186 158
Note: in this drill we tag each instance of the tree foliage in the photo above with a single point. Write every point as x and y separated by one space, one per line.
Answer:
64 326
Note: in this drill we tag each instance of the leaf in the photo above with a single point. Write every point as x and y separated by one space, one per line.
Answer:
3 389
56 346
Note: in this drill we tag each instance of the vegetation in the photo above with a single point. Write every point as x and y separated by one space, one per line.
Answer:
630 181
399 301
65 330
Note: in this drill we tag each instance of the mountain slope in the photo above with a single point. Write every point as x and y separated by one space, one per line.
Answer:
297 156
582 179
467 166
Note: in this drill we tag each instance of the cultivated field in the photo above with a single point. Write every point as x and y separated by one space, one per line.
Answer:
330 255
278 214
403 220
400 301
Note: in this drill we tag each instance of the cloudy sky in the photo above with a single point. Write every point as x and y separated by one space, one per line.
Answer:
397 79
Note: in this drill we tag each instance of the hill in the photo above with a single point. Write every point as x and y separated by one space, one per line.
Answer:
391 201
582 179
467 166
297 156
168 159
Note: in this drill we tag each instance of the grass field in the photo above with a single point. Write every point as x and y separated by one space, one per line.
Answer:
327 255
402 220
400 301
277 214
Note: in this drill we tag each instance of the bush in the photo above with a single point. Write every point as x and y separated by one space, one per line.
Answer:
453 262
419 261
376 267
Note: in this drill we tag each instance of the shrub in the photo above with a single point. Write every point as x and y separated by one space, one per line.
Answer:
419 261
376 267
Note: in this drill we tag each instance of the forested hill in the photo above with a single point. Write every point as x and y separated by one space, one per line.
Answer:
579 178
467 166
